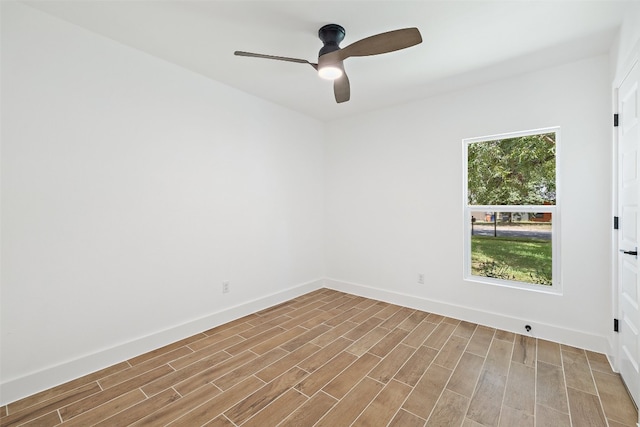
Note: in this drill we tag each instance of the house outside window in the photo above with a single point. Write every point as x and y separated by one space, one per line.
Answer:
511 217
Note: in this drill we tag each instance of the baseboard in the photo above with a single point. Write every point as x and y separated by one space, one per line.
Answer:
545 331
21 387
27 385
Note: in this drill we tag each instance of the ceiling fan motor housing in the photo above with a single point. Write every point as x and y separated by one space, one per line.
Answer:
331 35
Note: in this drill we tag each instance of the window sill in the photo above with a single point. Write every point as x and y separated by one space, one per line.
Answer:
553 290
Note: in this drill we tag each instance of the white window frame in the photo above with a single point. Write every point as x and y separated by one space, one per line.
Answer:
555 287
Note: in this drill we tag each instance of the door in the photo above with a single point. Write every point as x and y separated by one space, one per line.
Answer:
628 197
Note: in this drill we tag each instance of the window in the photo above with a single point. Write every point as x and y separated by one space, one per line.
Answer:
511 210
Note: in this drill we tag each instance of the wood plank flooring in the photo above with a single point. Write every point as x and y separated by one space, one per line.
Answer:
332 359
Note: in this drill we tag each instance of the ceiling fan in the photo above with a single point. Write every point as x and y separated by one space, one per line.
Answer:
331 56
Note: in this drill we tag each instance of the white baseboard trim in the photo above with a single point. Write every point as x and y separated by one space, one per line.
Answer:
545 331
27 385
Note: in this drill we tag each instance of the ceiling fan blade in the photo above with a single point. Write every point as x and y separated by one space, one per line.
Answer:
342 88
383 43
277 58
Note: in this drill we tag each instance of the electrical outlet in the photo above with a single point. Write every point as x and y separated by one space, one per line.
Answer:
225 287
421 278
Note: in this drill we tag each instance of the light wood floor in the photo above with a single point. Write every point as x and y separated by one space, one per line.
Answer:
333 359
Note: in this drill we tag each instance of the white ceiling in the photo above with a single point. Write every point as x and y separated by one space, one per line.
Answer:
465 42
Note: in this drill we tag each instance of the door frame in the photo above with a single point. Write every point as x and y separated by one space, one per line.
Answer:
633 59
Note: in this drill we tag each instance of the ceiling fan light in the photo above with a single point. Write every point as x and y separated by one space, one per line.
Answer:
330 72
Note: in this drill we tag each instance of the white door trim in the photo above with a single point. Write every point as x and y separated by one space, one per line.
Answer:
617 82
622 74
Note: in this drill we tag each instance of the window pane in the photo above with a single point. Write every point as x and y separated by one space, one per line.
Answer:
512 171
512 246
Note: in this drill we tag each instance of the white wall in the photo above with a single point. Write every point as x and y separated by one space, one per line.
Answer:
626 47
131 188
394 202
